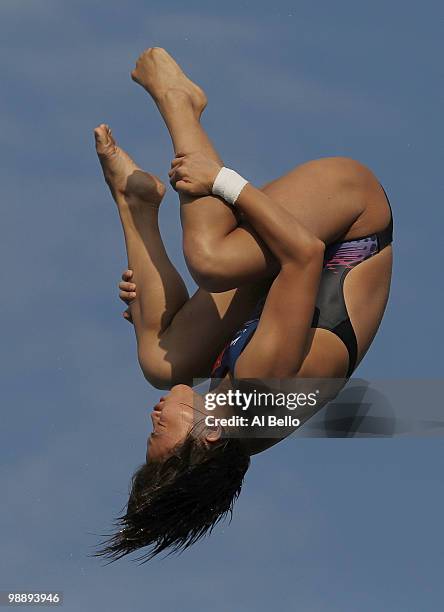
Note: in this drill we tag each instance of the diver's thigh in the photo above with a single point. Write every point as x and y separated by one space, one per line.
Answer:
366 291
203 326
326 195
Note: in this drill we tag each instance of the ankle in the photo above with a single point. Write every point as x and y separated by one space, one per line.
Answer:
132 207
178 102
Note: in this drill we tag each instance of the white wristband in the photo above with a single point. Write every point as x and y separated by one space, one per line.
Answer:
228 184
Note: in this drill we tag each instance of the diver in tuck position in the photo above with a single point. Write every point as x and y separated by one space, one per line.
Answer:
293 282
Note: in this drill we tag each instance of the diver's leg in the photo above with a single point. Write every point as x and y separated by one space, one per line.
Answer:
326 196
161 291
178 338
207 221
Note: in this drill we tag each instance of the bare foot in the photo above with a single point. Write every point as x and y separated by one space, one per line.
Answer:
125 179
163 78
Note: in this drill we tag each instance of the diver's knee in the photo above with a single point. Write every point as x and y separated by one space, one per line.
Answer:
156 372
162 373
157 380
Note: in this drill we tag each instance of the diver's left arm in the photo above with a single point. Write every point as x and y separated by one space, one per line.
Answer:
281 340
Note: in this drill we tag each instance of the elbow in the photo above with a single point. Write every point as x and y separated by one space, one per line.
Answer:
307 252
315 249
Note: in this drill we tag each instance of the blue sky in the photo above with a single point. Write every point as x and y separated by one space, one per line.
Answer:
322 524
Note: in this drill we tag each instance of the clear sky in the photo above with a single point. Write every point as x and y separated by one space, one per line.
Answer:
322 524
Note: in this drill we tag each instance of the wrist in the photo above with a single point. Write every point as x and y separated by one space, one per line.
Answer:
228 184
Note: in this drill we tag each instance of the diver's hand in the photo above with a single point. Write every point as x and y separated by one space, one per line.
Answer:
193 173
127 292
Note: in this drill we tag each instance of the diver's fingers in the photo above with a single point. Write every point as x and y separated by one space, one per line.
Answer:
127 275
125 286
127 291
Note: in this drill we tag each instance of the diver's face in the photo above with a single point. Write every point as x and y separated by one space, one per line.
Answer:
173 417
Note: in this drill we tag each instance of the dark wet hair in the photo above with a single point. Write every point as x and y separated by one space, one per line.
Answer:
174 503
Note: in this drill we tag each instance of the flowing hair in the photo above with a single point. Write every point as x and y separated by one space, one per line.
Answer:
175 503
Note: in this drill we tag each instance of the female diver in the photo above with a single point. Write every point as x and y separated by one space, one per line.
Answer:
293 282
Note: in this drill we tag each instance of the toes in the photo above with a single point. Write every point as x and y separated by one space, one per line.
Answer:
102 132
105 142
100 135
